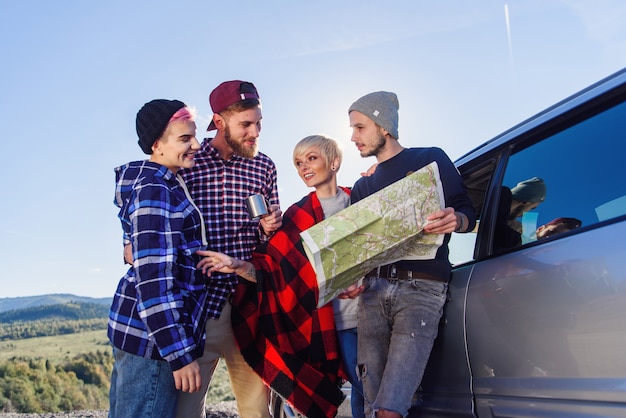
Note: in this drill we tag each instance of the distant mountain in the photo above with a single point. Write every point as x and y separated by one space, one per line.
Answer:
60 312
8 304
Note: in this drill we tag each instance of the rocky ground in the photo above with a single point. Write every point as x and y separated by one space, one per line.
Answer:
218 410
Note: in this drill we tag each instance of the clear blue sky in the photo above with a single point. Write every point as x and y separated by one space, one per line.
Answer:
74 74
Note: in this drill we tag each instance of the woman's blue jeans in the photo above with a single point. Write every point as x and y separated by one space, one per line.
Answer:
348 345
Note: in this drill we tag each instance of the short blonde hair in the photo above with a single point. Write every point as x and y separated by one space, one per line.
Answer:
329 148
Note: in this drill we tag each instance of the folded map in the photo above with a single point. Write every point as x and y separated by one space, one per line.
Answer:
382 228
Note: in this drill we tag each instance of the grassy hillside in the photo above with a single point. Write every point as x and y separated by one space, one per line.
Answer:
59 349
50 320
50 340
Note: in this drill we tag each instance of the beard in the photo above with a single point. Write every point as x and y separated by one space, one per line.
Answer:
378 146
238 146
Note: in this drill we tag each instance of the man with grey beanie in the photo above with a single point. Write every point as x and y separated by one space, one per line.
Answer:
404 299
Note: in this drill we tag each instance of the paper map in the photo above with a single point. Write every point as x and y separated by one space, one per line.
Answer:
380 229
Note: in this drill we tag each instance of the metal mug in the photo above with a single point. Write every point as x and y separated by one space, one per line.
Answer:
257 206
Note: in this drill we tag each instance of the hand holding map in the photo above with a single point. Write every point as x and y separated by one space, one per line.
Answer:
380 229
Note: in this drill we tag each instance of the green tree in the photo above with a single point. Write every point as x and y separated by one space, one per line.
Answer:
22 394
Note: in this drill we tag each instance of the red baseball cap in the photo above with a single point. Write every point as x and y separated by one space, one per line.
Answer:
229 93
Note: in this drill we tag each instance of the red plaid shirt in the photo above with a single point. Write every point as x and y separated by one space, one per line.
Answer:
282 334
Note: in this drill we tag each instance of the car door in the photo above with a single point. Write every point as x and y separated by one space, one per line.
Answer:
534 325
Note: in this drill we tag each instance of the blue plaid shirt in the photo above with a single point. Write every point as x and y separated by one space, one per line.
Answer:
219 187
159 308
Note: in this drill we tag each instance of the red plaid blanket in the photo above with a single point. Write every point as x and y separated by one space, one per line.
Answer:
290 343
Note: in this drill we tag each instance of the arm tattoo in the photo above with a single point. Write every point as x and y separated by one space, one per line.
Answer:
248 272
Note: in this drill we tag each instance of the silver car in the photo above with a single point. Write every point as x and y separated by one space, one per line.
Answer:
535 324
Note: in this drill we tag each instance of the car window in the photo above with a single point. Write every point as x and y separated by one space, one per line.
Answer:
575 178
567 181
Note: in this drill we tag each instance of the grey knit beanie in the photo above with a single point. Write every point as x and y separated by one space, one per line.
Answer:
531 190
381 107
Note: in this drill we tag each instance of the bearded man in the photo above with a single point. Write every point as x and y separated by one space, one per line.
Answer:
228 169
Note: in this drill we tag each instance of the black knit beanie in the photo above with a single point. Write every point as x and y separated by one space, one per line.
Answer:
152 120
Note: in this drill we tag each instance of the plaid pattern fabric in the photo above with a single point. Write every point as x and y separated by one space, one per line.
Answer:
158 308
219 188
290 343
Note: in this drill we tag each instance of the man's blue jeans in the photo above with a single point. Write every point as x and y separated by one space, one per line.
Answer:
141 387
348 346
398 324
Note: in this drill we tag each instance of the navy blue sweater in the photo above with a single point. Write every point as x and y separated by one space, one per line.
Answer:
406 162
